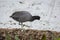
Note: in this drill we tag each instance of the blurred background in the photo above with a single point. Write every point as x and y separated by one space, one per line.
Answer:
48 10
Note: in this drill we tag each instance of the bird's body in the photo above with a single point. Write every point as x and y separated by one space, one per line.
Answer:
23 16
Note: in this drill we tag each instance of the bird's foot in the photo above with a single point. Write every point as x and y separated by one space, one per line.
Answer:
26 25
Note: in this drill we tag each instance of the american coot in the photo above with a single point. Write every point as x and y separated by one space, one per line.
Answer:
24 16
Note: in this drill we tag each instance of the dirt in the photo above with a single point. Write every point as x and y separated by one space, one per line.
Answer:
28 34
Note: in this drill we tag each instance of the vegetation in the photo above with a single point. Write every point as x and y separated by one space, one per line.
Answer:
16 37
28 35
44 37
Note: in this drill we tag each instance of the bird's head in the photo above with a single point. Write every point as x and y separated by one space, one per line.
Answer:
35 17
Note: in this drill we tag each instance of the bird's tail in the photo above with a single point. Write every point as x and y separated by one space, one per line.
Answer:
10 16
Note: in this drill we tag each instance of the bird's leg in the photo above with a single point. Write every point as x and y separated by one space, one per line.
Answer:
19 23
22 26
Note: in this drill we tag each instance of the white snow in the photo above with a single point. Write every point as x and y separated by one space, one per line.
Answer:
48 10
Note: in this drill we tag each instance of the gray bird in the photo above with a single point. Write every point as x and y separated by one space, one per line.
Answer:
23 16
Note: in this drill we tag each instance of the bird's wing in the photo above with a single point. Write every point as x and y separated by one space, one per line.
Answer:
21 14
26 17
17 14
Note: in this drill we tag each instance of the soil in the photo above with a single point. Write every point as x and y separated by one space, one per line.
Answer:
28 34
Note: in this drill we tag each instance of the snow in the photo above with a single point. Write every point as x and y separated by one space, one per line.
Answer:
42 8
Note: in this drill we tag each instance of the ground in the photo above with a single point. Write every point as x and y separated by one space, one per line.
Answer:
28 34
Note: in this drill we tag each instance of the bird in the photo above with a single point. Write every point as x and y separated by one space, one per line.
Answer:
23 16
